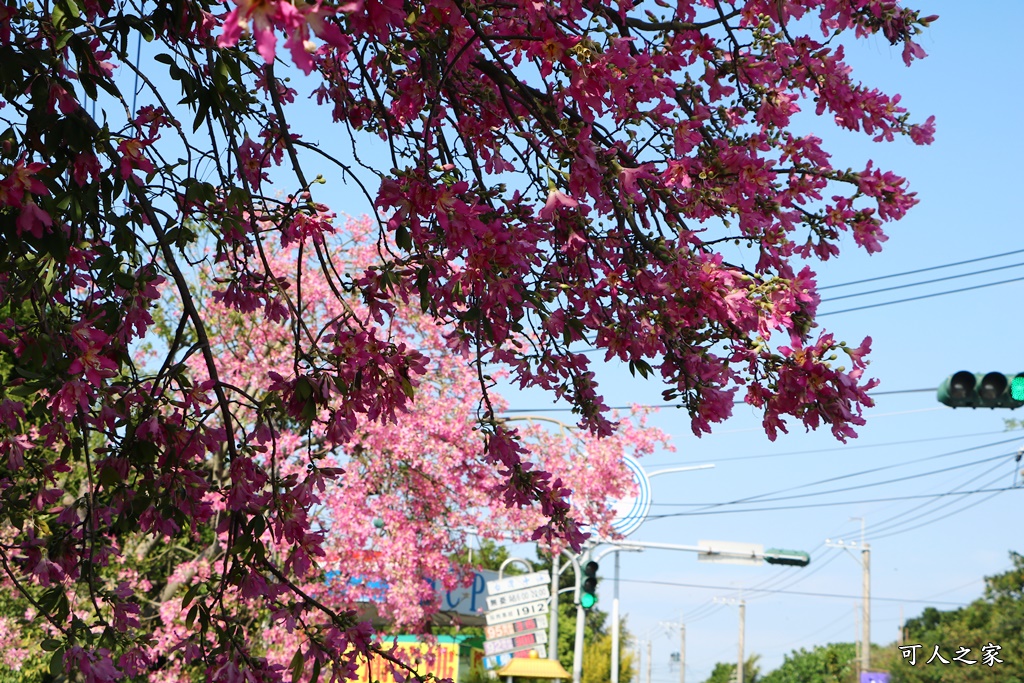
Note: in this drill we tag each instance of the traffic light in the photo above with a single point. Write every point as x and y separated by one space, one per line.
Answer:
792 558
975 390
588 596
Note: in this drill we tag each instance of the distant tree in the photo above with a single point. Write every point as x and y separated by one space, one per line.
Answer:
597 659
832 663
996 619
726 673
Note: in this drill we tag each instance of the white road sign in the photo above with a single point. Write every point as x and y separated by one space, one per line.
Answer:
730 552
517 642
512 583
517 597
516 612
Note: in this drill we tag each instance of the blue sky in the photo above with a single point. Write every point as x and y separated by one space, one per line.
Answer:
924 551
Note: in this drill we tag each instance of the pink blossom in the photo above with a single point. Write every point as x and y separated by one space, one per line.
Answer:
556 200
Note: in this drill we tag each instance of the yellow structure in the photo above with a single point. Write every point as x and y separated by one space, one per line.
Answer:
533 667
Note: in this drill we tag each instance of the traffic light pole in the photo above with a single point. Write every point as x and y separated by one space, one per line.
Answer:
615 623
553 627
577 650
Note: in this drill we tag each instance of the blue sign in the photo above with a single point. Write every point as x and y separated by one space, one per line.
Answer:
874 677
470 599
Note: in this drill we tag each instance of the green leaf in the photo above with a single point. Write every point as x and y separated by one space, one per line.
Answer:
297 663
402 238
190 618
109 477
190 594
57 662
50 644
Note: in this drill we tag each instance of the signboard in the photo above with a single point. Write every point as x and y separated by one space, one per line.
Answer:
516 612
497 661
874 677
507 629
518 597
468 600
631 510
448 658
512 583
728 552
517 642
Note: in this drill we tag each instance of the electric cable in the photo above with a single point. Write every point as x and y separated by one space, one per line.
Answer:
950 514
805 506
812 594
921 282
764 497
676 405
919 298
922 270
833 449
896 520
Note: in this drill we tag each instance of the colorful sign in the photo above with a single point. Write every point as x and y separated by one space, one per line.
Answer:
468 600
451 657
516 612
516 642
498 661
502 630
518 597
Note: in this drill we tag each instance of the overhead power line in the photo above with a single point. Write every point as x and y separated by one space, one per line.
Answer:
918 298
922 270
786 592
675 405
763 497
921 282
782 508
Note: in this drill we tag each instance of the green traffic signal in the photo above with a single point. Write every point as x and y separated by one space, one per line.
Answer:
975 390
1017 388
792 558
588 595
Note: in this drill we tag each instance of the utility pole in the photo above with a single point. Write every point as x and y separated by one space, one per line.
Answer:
682 652
682 645
743 625
648 661
865 560
865 563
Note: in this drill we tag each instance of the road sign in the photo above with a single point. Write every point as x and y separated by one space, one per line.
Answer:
501 660
516 612
516 642
728 552
518 597
512 583
631 510
507 629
